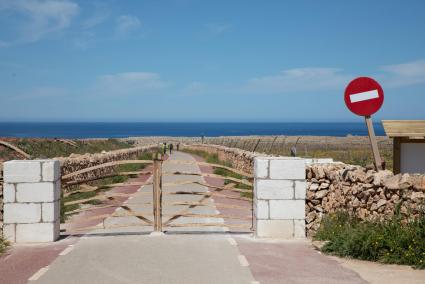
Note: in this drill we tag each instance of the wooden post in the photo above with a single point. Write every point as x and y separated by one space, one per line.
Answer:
157 195
271 146
256 145
396 155
373 143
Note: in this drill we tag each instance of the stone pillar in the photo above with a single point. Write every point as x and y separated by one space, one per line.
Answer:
31 200
279 197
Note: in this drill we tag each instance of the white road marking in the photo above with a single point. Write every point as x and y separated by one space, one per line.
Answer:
242 260
255 282
364 96
38 274
232 241
67 250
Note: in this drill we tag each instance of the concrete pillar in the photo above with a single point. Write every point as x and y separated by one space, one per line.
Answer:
31 193
279 197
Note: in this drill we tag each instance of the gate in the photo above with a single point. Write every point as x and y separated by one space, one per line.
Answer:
233 195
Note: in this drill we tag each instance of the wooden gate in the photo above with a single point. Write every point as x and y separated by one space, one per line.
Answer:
235 188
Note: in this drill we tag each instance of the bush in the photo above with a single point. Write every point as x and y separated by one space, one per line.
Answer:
3 245
391 241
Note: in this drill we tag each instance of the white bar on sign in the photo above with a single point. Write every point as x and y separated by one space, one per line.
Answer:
364 96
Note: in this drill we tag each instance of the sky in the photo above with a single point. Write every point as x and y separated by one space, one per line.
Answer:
207 61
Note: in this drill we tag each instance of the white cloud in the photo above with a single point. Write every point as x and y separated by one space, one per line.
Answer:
298 80
404 74
42 17
130 83
127 24
95 20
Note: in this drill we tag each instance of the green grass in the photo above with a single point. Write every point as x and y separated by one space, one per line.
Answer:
391 241
3 245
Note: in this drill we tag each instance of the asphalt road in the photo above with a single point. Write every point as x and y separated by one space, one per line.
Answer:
129 254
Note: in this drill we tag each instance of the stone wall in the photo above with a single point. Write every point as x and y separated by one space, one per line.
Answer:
76 162
362 192
239 159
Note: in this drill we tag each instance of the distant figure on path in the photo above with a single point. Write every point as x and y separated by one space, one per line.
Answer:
178 146
171 148
293 151
164 148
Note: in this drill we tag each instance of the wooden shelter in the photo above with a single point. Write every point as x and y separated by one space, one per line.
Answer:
408 144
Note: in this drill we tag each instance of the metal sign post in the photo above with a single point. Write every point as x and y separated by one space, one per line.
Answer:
364 96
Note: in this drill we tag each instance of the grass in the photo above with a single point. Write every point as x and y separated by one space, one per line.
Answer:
3 245
362 157
49 148
101 184
213 159
392 241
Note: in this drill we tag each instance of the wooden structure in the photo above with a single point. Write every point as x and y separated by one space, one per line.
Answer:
408 144
109 199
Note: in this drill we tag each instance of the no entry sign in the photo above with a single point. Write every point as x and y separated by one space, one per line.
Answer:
364 96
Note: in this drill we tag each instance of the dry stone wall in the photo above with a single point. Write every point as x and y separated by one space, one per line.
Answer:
239 159
76 162
362 192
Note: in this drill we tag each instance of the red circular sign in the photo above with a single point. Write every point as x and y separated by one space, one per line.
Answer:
364 96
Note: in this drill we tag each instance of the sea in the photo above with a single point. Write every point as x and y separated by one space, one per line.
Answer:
131 129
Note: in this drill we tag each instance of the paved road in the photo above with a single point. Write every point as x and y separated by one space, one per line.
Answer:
131 255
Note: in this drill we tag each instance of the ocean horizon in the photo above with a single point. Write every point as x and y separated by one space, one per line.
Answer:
80 130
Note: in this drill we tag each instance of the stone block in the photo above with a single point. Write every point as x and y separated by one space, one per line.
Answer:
22 213
299 229
261 167
261 209
37 233
287 209
36 192
300 189
9 193
274 189
287 168
50 212
22 171
51 170
283 229
9 232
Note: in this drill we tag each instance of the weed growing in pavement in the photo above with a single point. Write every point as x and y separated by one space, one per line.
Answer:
3 245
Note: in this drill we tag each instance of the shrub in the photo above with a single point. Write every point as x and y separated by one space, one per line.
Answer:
3 245
391 241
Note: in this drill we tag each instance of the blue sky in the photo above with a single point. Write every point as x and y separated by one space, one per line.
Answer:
186 60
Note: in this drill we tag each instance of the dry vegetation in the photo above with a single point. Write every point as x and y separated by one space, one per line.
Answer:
350 149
